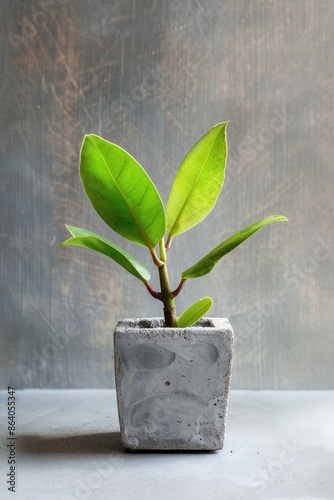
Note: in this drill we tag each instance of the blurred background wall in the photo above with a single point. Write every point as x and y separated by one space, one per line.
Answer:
153 76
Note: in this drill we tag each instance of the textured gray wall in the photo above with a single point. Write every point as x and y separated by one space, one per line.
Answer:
153 76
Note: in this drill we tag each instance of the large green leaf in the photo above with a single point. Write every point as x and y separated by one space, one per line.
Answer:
88 239
194 312
208 262
198 182
121 192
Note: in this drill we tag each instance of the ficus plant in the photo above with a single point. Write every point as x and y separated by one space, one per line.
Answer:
125 197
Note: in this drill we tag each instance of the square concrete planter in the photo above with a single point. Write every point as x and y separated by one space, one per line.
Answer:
173 383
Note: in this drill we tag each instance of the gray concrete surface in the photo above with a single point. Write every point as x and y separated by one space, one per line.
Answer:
279 445
173 383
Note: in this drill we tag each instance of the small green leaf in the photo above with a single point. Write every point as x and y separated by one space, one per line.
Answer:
195 312
121 192
198 182
208 262
88 239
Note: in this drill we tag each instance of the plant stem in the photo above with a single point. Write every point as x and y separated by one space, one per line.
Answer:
156 261
156 295
179 288
167 296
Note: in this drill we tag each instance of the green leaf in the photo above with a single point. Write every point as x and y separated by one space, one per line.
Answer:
121 192
208 262
88 239
198 182
195 312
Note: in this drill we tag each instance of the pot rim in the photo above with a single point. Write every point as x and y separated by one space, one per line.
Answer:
206 323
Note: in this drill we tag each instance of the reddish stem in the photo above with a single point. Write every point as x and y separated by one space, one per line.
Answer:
168 243
156 295
179 288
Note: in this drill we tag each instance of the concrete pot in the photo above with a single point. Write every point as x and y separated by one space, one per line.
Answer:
173 384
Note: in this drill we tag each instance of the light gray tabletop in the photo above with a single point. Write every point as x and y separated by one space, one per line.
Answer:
279 445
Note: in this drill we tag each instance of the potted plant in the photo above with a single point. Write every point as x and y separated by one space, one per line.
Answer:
172 373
